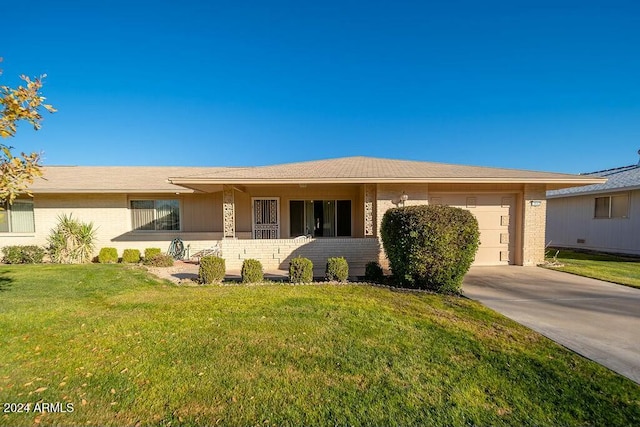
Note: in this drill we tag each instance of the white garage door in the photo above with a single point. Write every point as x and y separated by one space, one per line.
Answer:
496 219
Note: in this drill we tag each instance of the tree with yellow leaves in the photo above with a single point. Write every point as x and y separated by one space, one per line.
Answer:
23 103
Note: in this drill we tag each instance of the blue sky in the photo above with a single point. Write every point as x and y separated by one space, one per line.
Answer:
544 85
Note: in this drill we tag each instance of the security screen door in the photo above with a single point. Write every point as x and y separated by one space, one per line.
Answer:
266 218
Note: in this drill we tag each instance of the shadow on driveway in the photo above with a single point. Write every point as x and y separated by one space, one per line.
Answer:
599 320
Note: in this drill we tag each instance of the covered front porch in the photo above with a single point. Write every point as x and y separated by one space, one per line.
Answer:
291 211
277 223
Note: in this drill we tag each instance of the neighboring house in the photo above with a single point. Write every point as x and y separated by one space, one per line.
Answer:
603 217
261 212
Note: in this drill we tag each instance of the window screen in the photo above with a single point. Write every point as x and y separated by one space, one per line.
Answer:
17 218
155 215
620 206
602 207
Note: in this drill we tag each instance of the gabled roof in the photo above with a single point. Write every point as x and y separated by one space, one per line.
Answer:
618 179
375 170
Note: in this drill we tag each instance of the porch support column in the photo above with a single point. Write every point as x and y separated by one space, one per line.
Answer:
369 209
535 217
229 212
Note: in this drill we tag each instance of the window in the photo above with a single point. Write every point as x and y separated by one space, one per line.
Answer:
17 218
612 206
155 215
320 218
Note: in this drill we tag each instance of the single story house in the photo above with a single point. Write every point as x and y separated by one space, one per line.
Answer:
603 217
272 213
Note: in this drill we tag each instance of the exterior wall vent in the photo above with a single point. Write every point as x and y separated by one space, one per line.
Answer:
581 241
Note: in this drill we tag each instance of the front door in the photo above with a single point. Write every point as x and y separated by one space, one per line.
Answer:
266 218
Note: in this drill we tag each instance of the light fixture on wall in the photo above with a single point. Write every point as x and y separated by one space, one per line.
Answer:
403 198
536 203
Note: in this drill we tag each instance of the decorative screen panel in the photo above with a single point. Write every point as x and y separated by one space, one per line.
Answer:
266 224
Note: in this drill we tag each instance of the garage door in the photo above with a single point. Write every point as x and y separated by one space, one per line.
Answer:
496 219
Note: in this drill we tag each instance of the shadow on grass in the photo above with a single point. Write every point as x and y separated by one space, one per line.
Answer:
5 281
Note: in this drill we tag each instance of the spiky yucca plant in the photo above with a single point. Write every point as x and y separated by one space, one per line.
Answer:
72 241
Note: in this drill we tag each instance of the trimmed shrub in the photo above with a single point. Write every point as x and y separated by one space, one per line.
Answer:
108 255
430 247
29 254
151 252
131 256
252 271
373 272
300 270
212 269
337 270
159 260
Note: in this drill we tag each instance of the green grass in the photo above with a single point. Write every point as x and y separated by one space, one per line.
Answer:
125 349
612 268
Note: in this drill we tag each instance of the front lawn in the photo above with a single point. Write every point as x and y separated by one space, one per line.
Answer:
126 349
612 268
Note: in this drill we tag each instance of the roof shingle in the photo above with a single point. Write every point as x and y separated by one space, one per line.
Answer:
369 169
157 179
623 178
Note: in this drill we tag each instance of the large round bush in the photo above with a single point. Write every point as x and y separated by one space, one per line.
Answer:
430 247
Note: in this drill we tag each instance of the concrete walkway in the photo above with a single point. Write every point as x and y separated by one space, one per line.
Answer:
599 320
187 272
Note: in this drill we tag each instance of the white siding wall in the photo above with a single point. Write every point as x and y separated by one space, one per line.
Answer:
571 218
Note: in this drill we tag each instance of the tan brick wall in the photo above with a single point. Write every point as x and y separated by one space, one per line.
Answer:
275 254
112 220
534 223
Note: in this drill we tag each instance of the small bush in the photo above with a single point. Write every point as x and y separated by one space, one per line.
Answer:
252 271
151 252
212 269
108 255
300 270
23 254
373 272
337 270
159 260
430 247
131 256
72 241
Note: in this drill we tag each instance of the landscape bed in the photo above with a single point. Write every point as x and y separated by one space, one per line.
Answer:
124 348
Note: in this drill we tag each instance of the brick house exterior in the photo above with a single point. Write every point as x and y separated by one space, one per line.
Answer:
316 209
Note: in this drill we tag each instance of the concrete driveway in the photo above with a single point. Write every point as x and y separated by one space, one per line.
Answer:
596 319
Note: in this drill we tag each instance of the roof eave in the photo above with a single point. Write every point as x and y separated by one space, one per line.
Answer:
178 189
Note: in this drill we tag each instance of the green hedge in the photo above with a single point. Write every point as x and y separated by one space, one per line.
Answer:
337 270
108 255
252 271
151 252
27 254
430 247
131 256
300 270
373 272
212 269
